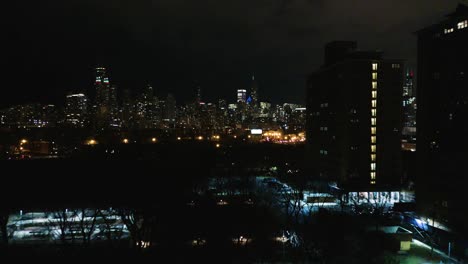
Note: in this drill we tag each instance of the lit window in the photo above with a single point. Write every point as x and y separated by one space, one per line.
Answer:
373 121
448 30
374 85
373 148
374 103
462 24
374 66
372 166
373 157
372 182
372 175
374 94
373 130
395 66
374 112
373 139
374 76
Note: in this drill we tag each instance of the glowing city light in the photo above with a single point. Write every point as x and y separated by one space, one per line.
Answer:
153 140
91 142
125 141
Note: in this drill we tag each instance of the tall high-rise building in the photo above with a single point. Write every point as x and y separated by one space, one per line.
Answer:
354 116
241 95
409 110
127 110
170 109
76 106
102 102
442 113
149 107
254 93
114 119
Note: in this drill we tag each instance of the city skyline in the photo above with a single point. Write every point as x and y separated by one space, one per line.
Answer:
215 130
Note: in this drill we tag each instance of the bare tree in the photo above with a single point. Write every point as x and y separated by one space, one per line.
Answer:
139 224
65 221
107 225
87 223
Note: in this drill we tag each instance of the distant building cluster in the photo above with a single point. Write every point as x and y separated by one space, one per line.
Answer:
114 109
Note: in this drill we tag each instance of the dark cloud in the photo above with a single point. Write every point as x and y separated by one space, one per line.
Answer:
53 45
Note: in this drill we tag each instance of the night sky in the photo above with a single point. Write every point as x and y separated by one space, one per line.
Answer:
52 46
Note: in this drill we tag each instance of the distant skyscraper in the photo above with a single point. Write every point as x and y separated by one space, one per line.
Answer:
354 116
102 102
114 119
409 110
127 109
254 92
76 106
241 96
170 108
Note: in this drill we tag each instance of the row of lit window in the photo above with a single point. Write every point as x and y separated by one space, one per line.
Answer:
395 66
323 105
462 24
323 128
373 138
323 152
448 30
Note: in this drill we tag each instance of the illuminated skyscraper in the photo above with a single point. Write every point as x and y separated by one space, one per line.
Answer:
102 102
241 95
409 109
170 109
254 93
127 109
76 110
114 120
